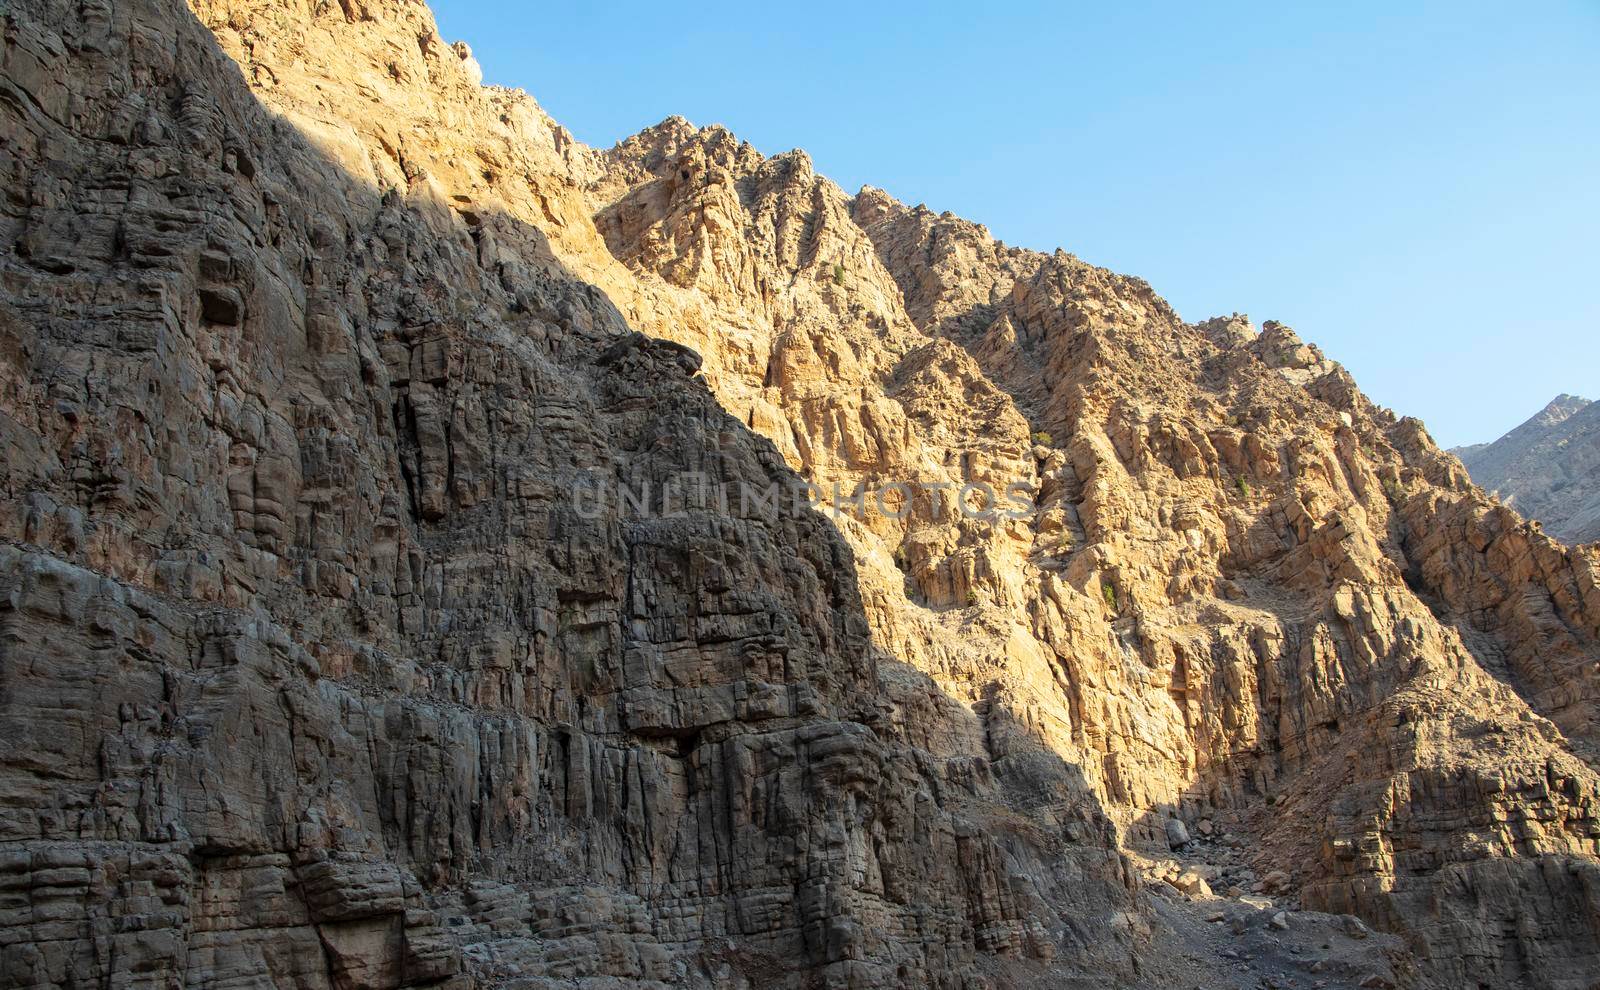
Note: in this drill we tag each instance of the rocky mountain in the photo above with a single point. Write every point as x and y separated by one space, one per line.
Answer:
350 636
1548 468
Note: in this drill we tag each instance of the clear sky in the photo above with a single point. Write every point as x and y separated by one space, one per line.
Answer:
1411 186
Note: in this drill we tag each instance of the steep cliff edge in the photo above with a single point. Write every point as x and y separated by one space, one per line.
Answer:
1548 469
317 670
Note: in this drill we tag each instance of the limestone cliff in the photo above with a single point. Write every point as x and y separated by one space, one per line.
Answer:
316 670
1548 469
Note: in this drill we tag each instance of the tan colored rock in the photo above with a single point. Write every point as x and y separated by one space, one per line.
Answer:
314 668
316 671
1192 883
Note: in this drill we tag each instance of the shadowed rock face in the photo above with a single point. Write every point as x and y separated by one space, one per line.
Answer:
316 671
1547 469
313 671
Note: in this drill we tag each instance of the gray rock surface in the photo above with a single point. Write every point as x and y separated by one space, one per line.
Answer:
1548 468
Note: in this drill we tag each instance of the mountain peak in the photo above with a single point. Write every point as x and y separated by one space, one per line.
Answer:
1559 409
1548 467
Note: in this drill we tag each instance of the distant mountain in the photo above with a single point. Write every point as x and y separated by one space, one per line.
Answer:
1548 468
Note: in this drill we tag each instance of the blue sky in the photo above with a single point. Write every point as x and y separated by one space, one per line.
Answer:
1413 189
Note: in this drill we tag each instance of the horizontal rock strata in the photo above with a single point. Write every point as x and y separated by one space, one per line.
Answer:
317 671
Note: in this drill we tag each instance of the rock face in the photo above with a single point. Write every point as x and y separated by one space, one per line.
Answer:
1547 469
324 662
316 673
